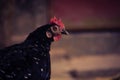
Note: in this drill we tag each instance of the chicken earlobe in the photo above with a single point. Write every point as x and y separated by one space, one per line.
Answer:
49 34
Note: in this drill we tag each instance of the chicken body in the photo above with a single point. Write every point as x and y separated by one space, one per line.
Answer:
29 60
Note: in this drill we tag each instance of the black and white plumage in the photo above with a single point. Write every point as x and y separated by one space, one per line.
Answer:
29 60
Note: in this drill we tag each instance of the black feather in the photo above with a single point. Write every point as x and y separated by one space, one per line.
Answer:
29 60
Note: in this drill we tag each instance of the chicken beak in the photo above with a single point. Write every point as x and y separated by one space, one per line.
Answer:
65 32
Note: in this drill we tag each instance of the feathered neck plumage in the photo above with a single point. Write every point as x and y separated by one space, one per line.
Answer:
39 36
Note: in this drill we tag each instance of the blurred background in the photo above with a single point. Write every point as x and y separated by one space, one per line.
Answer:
90 52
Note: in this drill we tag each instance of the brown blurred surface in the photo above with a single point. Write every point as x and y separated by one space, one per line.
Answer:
88 56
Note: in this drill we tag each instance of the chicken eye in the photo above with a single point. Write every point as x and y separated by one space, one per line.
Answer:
55 29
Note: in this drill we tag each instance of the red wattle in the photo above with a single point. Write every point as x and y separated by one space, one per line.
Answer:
56 38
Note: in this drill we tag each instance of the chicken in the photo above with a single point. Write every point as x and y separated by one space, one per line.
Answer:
30 60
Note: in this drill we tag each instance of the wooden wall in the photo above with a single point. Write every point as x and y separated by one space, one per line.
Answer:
19 17
87 14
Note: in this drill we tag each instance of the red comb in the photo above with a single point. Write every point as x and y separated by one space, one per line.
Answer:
57 21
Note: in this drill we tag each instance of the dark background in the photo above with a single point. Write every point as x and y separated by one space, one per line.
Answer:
90 52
